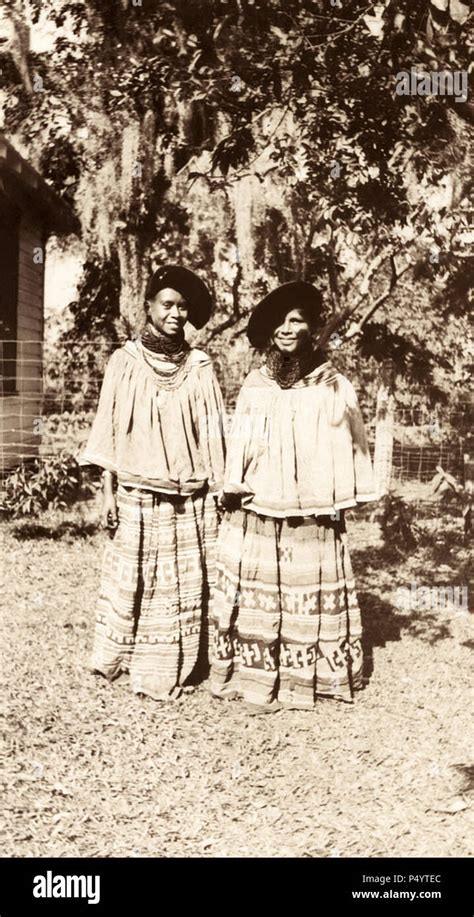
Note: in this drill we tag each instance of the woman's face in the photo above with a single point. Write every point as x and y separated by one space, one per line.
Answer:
293 332
168 312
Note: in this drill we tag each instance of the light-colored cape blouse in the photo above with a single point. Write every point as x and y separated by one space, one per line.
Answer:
300 451
159 430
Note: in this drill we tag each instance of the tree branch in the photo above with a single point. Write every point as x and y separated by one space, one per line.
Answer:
356 327
236 313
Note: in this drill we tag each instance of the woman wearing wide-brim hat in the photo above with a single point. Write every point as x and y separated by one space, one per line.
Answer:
158 433
286 619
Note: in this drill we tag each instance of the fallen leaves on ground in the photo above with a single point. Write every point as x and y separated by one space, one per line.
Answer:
93 770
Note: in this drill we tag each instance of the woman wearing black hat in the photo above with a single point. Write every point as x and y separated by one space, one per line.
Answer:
158 432
286 618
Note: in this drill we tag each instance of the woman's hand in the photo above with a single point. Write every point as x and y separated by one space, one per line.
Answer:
109 514
220 500
228 501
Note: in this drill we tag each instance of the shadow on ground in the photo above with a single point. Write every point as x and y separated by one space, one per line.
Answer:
24 531
380 625
383 623
467 773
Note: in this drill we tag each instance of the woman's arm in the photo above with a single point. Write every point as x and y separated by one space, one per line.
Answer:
362 463
101 445
239 450
211 428
109 515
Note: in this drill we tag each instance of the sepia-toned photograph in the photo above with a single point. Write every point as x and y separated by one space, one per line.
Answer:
236 448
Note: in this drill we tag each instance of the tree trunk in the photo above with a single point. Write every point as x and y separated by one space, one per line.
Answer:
384 430
15 38
132 281
133 244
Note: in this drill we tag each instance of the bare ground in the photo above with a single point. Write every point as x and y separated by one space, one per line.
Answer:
93 770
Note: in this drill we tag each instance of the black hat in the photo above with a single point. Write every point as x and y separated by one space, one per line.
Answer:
271 310
191 287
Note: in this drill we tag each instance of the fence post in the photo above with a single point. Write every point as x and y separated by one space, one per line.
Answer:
384 429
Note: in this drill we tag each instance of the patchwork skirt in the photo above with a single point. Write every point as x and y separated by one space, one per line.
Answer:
153 606
286 619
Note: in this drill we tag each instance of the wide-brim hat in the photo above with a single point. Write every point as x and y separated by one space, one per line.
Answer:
189 285
271 310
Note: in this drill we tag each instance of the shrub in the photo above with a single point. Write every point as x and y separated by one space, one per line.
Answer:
65 433
43 484
397 523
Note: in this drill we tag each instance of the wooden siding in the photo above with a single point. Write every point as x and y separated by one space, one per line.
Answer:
19 412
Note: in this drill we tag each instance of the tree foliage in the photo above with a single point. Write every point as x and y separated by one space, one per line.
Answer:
259 140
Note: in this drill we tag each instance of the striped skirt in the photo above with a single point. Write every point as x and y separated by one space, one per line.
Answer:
152 612
286 618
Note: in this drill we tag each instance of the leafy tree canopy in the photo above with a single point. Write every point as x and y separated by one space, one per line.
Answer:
259 140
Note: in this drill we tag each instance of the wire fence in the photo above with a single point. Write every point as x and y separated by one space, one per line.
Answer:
49 393
419 463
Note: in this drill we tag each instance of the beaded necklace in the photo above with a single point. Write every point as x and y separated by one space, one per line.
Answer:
288 368
175 349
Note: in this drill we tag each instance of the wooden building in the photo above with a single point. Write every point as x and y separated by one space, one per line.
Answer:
29 212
